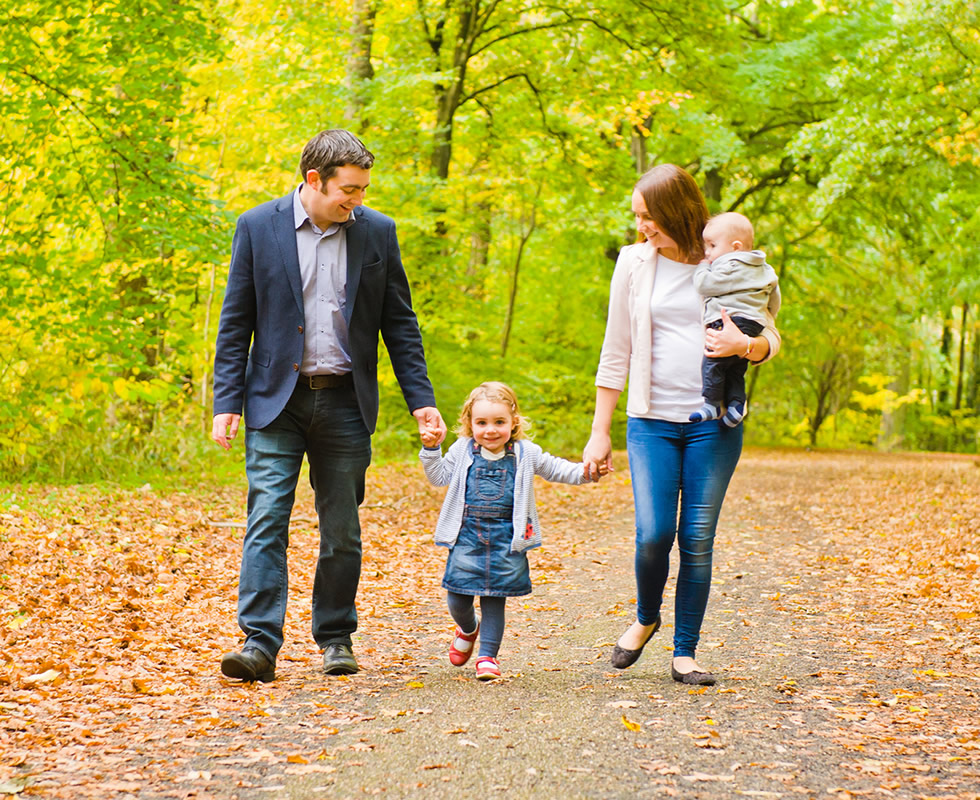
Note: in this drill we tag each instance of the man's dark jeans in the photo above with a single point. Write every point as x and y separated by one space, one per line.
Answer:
326 426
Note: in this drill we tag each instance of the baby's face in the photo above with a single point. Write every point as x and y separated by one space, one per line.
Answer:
717 242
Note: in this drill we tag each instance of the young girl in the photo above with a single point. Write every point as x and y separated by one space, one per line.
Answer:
488 518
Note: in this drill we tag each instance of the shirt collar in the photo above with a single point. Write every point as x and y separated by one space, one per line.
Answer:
300 216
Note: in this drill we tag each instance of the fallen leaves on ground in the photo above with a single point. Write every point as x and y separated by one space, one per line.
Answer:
117 605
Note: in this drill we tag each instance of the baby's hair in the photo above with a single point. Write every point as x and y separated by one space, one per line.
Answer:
735 226
492 392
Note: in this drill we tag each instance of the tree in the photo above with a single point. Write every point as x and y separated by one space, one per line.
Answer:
103 227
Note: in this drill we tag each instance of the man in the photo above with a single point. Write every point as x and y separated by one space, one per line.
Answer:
314 278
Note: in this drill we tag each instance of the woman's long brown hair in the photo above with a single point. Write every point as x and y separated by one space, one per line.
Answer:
676 204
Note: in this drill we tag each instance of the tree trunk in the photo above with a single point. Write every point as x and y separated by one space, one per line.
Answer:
961 360
825 392
712 185
480 238
945 345
359 69
638 150
973 391
891 430
447 104
532 218
205 373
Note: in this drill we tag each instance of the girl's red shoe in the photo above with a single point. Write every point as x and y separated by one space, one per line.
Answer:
487 668
461 647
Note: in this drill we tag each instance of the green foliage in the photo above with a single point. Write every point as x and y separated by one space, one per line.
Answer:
507 137
104 228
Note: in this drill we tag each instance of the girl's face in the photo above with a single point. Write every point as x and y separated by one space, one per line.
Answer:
491 424
646 226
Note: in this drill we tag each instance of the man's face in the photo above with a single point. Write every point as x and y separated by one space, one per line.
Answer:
334 200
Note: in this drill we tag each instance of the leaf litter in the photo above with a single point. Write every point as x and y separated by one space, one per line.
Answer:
117 606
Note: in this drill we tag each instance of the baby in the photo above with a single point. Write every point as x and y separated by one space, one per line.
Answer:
736 278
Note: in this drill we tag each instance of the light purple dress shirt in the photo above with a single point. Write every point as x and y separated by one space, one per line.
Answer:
323 268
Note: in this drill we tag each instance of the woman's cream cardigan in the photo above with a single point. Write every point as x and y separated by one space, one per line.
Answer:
627 348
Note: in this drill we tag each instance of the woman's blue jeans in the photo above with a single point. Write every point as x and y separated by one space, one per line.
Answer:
326 426
680 473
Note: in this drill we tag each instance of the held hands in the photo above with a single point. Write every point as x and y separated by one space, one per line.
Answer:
597 457
224 428
729 341
592 472
432 429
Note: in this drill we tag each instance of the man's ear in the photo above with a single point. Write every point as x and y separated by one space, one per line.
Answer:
313 179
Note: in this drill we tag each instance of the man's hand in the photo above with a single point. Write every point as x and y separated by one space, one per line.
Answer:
225 428
432 429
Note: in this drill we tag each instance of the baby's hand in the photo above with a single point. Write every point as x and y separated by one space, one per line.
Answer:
429 437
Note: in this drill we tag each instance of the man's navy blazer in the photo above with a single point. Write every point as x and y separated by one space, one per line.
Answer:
260 336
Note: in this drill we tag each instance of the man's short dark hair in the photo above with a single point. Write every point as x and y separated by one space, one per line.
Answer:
331 149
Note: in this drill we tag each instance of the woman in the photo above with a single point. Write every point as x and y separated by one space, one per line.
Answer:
655 337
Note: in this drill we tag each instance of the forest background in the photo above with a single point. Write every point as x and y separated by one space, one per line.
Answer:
508 135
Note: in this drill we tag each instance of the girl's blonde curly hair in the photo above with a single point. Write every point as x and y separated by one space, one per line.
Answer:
492 392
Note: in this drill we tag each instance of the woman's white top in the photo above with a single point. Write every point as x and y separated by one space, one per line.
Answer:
635 349
677 344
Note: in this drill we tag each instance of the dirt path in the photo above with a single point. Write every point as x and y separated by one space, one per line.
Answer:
848 665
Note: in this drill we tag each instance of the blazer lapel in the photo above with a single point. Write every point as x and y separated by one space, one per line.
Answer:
356 238
284 227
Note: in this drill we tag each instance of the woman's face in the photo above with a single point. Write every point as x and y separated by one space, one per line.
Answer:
646 226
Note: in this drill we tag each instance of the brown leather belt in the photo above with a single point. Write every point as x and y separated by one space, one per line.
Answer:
327 381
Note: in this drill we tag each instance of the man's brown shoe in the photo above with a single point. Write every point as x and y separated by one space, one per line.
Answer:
249 665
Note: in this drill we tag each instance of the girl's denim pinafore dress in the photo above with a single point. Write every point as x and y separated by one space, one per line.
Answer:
481 562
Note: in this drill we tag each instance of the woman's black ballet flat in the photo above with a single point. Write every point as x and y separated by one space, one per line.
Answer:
622 658
693 678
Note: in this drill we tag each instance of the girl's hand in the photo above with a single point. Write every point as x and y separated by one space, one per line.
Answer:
588 470
597 457
729 341
430 424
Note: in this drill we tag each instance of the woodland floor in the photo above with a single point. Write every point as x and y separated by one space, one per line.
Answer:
844 625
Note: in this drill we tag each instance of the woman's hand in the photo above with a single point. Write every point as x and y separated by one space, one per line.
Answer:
597 456
730 341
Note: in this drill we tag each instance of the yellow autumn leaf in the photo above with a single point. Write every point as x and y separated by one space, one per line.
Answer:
43 677
633 726
415 684
297 760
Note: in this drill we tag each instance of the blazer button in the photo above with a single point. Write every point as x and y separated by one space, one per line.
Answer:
300 328
295 367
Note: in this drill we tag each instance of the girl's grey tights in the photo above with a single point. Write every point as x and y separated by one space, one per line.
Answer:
491 623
